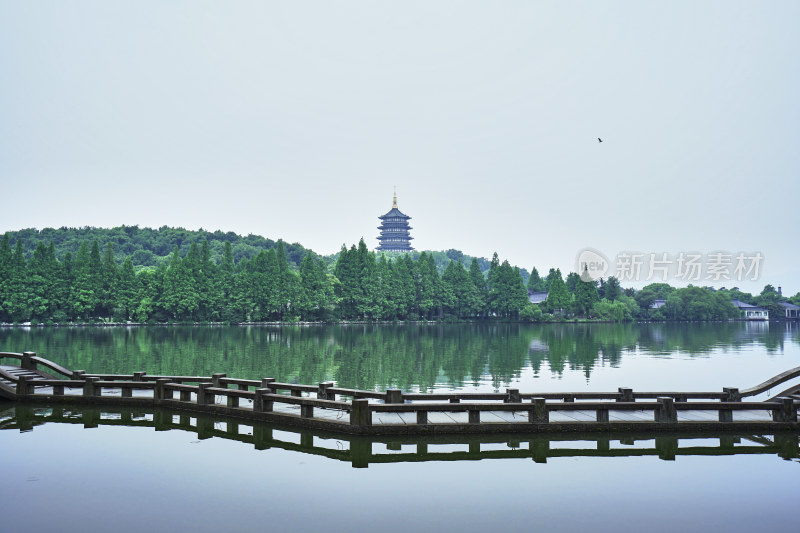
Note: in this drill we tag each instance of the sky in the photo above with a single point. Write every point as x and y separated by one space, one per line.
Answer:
298 119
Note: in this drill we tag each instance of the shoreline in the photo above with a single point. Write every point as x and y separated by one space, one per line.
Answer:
372 322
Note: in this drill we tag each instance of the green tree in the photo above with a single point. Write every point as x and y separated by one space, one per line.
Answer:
109 275
770 300
535 281
85 295
507 293
6 256
127 295
558 297
612 289
652 292
482 293
572 282
585 297
179 298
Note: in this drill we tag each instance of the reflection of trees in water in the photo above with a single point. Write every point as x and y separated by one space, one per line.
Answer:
580 346
380 356
703 338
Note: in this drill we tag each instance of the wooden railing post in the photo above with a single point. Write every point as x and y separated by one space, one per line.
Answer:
665 412
394 396
233 401
261 404
79 374
422 417
538 414
474 416
512 396
726 415
785 411
626 394
161 393
23 386
90 387
215 380
733 394
306 411
360 414
203 394
27 360
139 376
323 393
265 383
602 415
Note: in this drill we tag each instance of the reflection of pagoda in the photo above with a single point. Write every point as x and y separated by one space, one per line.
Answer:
394 231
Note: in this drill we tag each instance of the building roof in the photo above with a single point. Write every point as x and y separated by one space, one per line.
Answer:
537 297
658 303
395 213
787 305
746 307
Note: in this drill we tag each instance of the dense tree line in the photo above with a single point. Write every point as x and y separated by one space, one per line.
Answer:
607 300
149 247
92 285
197 286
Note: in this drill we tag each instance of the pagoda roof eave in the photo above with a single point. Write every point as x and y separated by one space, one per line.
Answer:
395 213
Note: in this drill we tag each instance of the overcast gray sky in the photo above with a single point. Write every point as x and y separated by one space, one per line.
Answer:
296 119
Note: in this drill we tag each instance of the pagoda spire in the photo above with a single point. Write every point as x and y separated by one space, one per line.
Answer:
394 199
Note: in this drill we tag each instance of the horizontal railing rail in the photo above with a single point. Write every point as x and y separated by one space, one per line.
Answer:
55 367
772 382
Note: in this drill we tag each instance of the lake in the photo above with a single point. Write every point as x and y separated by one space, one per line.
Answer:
120 474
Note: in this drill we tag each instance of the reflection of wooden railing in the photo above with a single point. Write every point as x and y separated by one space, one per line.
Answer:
326 406
362 451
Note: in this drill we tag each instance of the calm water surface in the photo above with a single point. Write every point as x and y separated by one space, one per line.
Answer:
60 476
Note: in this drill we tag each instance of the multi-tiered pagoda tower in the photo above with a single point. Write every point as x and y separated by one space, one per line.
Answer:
394 228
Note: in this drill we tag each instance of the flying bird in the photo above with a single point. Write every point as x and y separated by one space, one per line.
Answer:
599 140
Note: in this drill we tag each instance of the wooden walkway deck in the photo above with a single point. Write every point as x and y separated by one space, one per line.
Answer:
392 412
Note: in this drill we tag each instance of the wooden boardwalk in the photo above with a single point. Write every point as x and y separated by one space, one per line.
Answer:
392 412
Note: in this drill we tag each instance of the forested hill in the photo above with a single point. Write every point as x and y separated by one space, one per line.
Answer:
148 247
53 284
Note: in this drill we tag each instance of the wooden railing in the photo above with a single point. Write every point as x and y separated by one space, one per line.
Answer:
318 405
772 382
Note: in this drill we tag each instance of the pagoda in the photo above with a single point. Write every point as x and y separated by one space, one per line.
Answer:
394 228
